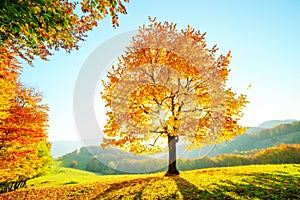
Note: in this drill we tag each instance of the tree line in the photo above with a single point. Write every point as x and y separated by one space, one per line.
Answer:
280 154
123 163
284 133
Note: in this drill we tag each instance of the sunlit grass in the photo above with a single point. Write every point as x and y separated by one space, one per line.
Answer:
66 176
63 176
245 182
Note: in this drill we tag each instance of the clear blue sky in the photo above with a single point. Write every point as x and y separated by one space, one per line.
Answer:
263 35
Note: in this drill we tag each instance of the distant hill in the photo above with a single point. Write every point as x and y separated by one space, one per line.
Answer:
60 148
253 129
94 158
260 139
114 161
272 123
238 144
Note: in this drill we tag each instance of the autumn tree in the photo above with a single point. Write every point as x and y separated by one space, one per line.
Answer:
35 27
9 72
169 84
29 29
24 150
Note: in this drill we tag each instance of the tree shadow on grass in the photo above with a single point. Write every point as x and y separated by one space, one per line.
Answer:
133 189
191 191
266 186
278 185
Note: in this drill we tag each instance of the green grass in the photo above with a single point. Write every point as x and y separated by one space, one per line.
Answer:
246 182
62 176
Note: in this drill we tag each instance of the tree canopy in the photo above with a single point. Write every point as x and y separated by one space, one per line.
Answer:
35 27
169 84
24 150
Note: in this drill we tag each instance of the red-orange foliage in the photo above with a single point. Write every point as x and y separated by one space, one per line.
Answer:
30 28
23 123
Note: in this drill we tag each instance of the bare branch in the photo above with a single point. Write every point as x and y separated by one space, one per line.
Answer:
188 82
168 75
155 140
160 133
150 75
179 107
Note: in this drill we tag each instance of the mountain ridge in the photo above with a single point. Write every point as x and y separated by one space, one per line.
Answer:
272 123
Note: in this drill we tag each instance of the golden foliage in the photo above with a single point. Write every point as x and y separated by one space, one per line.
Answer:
23 125
169 83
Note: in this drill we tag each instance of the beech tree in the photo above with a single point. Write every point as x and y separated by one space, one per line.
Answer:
169 84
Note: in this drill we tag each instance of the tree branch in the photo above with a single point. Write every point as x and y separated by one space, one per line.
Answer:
160 133
150 75
155 140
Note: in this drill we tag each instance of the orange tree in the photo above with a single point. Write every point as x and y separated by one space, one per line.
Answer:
167 84
8 77
30 28
34 27
24 151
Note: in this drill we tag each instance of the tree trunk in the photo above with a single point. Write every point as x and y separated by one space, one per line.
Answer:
172 140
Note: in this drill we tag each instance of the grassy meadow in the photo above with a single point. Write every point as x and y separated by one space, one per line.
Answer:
244 182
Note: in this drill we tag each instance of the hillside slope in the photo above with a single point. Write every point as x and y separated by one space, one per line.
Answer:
261 139
88 157
272 123
251 182
60 148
